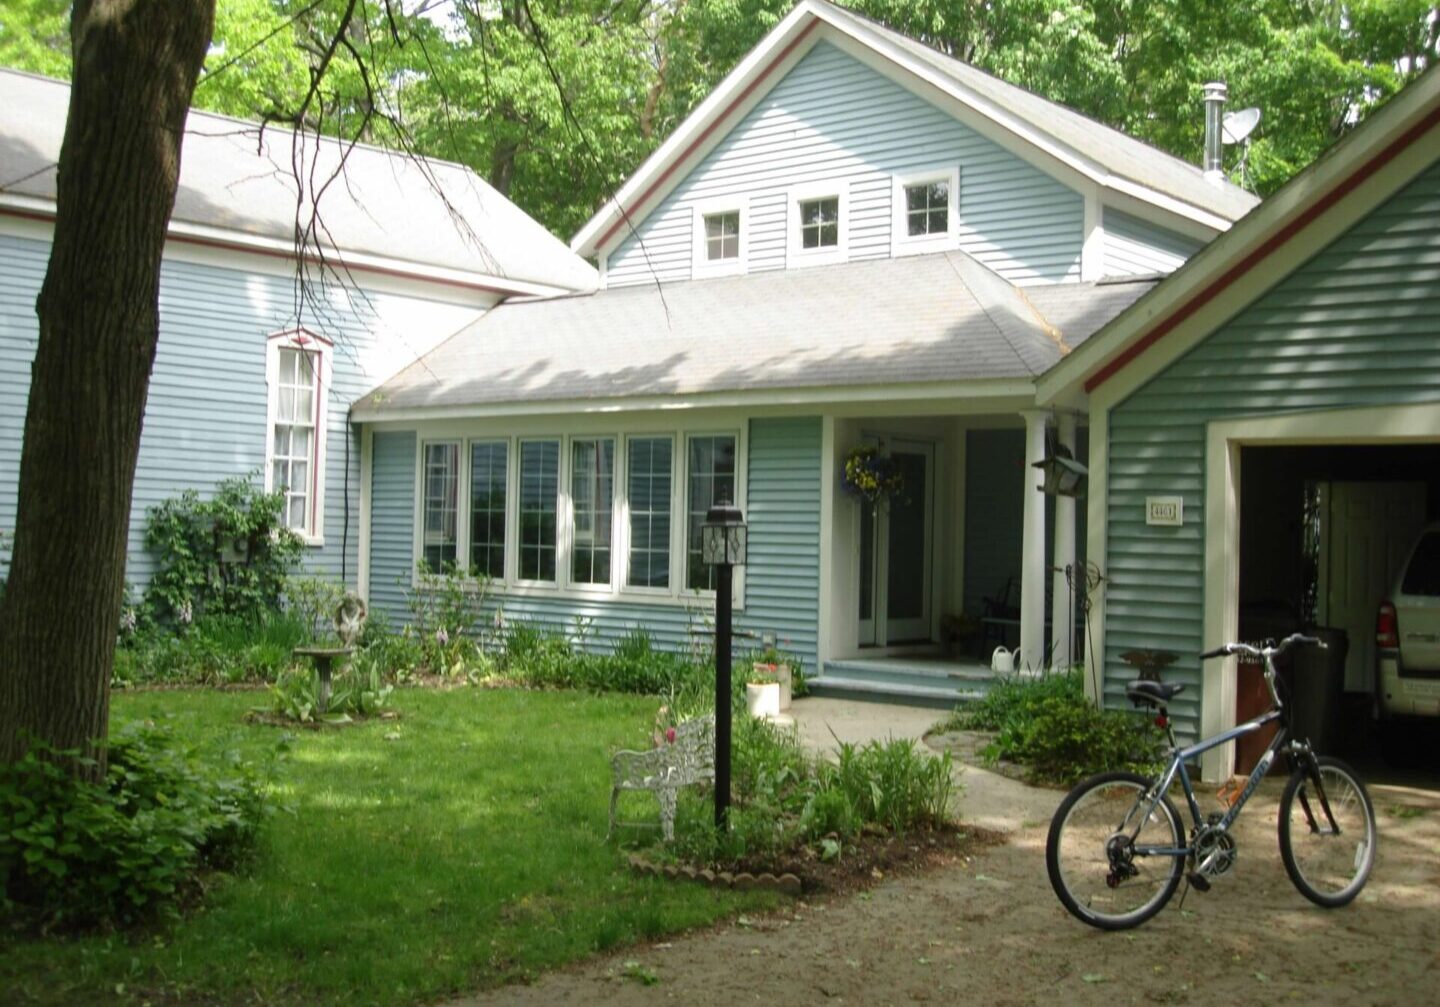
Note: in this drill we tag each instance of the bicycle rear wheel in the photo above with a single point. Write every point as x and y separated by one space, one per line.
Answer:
1328 864
1091 855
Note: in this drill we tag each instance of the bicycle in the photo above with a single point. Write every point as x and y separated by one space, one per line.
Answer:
1117 850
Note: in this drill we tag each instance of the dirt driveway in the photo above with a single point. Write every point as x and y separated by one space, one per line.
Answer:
991 932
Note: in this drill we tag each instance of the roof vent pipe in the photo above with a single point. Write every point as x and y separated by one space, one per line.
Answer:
1215 93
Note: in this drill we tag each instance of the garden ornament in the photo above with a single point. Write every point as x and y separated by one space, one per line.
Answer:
350 617
1004 661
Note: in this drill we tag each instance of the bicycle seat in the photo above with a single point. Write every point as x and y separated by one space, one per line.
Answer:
1155 693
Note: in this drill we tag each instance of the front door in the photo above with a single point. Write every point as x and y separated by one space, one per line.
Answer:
896 544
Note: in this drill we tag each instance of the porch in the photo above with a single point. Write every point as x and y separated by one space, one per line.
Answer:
919 589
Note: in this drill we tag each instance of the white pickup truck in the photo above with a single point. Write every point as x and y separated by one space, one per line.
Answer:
1407 637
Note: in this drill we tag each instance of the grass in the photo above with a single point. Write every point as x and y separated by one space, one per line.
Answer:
458 848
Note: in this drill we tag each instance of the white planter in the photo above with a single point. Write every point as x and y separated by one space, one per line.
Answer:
762 699
783 677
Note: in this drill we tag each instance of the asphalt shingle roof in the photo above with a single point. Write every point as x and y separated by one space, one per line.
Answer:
386 204
931 318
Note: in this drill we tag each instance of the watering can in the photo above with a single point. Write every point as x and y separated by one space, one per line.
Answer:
1004 661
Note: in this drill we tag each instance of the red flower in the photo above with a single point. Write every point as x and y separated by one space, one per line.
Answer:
670 735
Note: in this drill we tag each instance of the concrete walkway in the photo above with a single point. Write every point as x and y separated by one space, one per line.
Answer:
983 798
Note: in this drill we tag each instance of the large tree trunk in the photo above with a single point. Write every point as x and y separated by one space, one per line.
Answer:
135 67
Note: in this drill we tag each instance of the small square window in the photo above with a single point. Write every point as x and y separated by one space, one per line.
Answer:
820 223
927 208
722 236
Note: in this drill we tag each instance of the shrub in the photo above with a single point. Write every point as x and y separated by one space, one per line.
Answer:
217 650
359 691
312 601
228 555
892 784
77 854
1049 725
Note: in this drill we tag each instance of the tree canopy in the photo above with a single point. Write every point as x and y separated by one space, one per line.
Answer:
555 102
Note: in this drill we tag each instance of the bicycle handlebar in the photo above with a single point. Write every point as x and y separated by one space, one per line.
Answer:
1268 648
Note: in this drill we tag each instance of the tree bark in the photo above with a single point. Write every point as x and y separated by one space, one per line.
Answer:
135 67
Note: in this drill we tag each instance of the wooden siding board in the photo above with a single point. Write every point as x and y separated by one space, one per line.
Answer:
833 117
1357 325
1136 247
205 419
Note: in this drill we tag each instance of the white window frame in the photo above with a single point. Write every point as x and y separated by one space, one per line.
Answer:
797 256
567 498
702 267
313 534
566 430
901 243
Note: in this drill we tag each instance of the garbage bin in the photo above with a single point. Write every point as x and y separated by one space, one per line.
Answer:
1316 695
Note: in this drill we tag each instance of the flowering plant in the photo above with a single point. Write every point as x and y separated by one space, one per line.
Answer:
871 475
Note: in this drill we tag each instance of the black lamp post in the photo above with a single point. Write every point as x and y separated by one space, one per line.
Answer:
722 545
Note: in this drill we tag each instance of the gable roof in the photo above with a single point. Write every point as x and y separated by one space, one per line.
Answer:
419 217
927 321
1103 155
1359 172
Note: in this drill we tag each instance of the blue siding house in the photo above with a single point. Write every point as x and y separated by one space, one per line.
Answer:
265 339
855 240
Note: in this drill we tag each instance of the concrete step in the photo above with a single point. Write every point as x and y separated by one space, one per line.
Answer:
897 680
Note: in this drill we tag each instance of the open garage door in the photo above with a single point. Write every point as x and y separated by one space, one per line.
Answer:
1323 531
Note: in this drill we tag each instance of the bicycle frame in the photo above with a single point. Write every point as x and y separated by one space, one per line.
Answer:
1179 756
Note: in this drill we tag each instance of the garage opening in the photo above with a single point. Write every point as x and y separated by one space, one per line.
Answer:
1324 531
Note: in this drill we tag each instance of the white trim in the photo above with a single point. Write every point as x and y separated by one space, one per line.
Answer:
362 566
702 267
313 534
946 397
901 242
1223 441
796 255
1096 541
1092 252
829 481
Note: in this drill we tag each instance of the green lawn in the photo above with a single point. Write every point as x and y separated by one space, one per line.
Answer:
459 847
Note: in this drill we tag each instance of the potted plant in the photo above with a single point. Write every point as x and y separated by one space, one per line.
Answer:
871 474
773 664
762 693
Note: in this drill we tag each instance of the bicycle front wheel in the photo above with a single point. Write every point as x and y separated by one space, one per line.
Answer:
1328 861
1096 851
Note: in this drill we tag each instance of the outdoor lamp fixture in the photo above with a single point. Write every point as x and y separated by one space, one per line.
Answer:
722 545
1064 476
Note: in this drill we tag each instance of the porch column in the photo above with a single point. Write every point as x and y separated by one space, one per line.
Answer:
1062 595
1032 556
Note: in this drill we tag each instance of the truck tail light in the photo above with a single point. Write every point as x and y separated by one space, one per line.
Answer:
1387 634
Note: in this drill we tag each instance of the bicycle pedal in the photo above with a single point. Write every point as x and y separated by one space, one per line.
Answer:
1199 882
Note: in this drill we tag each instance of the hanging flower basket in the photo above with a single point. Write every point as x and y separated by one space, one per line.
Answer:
871 475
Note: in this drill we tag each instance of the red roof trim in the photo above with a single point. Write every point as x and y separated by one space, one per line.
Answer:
49 217
694 144
1279 238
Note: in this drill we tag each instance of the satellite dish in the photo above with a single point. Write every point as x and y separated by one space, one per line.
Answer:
1239 124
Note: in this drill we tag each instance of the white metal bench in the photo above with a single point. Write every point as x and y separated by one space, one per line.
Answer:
687 760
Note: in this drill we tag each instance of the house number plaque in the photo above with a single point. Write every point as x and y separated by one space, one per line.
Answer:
1165 511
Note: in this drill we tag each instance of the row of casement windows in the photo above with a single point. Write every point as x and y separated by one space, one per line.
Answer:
926 212
572 484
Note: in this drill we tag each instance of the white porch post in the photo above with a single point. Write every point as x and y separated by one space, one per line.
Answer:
1032 565
1062 596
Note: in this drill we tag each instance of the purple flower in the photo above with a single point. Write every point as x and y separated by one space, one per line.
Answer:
442 637
128 620
185 613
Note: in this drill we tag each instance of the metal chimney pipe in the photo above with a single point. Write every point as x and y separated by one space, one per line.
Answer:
1215 94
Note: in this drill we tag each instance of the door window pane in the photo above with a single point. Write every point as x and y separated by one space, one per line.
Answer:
592 493
711 476
487 507
442 483
539 494
648 484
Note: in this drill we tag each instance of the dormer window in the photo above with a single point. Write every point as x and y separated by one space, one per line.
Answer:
926 211
820 223
817 224
927 208
720 238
